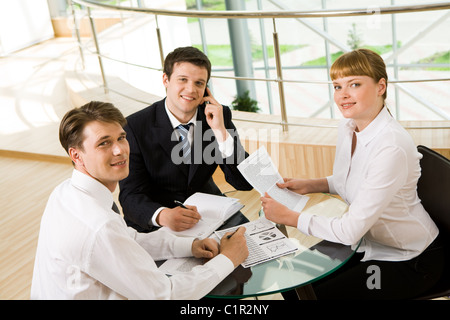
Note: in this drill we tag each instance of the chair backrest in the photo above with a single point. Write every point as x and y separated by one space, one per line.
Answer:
433 188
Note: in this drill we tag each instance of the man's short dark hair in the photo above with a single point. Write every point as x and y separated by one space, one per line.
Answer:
186 54
74 121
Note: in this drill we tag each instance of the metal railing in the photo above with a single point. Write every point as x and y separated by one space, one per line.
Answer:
282 14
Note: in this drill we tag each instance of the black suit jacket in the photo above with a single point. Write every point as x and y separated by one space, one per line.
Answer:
156 181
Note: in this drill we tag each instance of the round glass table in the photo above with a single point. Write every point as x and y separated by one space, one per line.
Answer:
314 259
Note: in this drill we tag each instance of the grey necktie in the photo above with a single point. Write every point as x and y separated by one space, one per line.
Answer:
115 208
183 130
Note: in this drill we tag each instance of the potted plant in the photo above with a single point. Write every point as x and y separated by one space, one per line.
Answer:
245 103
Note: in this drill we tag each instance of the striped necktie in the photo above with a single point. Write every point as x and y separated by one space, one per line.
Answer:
183 130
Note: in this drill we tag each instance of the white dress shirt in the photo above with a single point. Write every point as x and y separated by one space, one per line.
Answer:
86 251
379 183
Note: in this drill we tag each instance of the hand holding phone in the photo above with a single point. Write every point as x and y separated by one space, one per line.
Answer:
214 115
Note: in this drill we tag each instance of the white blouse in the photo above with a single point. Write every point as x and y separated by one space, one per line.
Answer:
379 182
86 251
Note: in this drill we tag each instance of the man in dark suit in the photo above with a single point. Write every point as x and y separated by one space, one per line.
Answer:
162 167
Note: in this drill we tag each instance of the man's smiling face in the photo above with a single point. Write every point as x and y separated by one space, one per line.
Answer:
185 89
105 152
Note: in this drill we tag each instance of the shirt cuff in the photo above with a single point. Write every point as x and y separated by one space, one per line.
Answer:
226 147
303 222
155 215
183 247
221 265
331 188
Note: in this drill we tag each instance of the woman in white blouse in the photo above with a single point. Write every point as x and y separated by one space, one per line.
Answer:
375 171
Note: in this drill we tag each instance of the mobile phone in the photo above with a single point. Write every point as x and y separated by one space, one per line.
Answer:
205 94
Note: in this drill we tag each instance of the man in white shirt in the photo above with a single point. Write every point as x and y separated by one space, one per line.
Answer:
86 251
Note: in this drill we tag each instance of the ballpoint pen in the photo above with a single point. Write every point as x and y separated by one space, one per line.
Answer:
183 206
230 235
180 204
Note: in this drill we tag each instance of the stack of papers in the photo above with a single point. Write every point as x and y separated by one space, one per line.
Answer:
265 242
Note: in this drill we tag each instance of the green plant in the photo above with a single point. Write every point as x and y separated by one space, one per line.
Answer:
245 103
354 38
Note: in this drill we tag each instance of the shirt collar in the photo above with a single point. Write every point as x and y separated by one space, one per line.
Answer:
174 121
93 188
374 127
377 124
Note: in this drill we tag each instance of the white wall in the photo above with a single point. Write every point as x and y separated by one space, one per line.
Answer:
23 23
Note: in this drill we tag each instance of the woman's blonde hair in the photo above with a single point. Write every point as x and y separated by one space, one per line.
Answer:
360 62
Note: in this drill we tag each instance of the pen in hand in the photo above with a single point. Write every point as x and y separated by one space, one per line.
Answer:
180 204
230 235
183 206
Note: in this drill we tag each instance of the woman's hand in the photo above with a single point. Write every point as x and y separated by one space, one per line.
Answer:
278 213
296 185
304 186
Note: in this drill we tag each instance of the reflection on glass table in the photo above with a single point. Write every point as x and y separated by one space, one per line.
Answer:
313 260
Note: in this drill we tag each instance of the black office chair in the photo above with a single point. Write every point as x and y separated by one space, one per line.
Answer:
433 189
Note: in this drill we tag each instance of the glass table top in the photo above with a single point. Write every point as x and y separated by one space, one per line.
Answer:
314 260
285 273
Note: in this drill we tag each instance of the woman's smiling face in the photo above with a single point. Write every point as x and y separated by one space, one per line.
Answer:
359 98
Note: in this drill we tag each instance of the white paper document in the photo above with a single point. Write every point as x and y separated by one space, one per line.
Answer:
180 265
262 174
265 242
213 209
